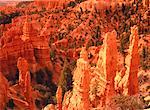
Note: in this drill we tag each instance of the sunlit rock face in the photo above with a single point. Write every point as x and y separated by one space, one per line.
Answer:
111 61
59 98
105 72
146 3
128 78
132 61
80 96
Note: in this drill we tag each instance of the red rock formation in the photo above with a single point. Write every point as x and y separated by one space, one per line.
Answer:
80 96
24 82
102 77
85 95
49 107
128 81
145 3
65 26
119 76
132 62
23 67
30 46
111 63
1 29
105 72
28 31
29 92
51 4
3 91
59 98
66 100
98 80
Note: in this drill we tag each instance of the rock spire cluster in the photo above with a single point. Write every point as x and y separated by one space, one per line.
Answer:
94 87
74 54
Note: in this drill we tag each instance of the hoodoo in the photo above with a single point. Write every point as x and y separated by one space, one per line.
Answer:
74 55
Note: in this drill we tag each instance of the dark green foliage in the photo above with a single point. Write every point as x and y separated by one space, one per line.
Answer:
43 9
10 104
73 64
83 40
122 48
62 35
51 40
47 81
142 79
23 4
70 27
107 12
45 86
97 32
52 55
6 19
93 64
79 1
98 43
62 81
144 55
124 43
66 80
1 13
72 4
34 12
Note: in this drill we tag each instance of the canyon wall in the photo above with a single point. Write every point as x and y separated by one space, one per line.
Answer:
33 48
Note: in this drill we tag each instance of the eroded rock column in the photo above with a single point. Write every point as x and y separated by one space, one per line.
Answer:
80 94
59 98
102 82
110 48
25 81
132 63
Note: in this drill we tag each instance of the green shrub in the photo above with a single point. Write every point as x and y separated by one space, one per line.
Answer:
72 4
52 55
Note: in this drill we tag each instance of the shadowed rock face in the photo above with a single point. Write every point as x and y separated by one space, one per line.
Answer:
6 19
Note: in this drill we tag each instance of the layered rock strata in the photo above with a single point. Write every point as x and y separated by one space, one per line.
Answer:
33 48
